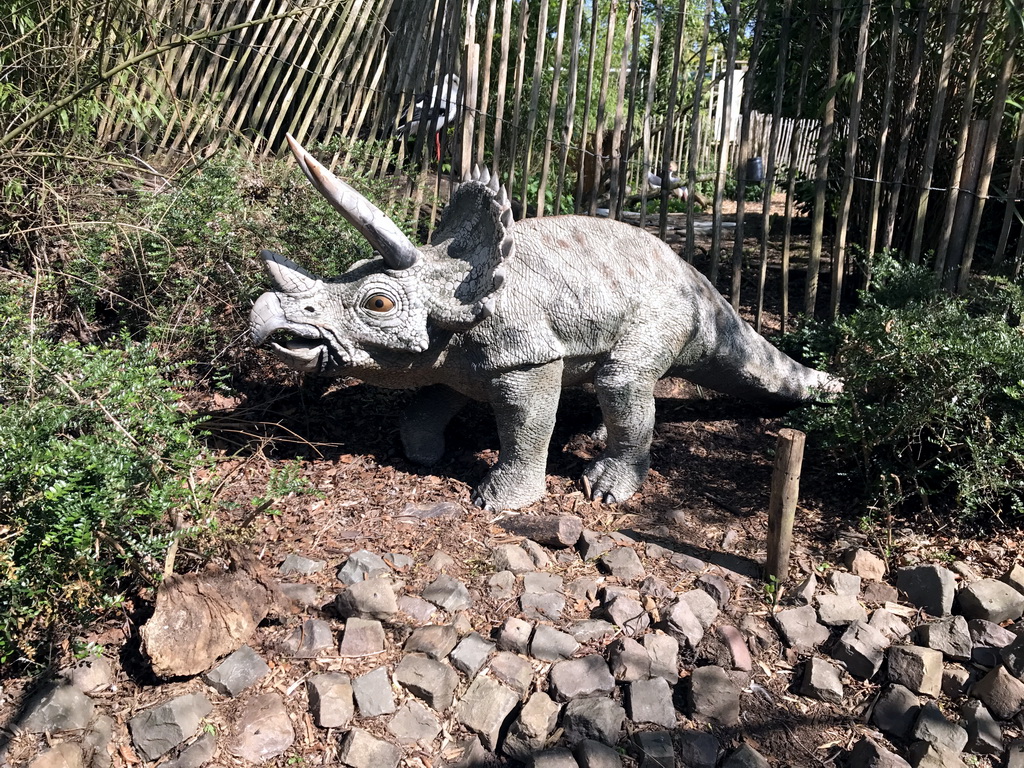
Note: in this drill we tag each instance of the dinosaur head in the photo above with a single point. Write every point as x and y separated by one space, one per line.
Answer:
387 312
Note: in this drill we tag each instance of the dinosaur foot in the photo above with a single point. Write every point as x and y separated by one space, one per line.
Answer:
613 480
505 488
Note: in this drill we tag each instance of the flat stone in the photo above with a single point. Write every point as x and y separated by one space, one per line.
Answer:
591 545
559 757
195 755
540 583
58 708
868 753
330 699
683 624
302 595
542 606
583 588
896 711
362 565
663 651
840 610
933 727
984 736
950 636
515 671
1001 692
861 648
703 606
484 709
929 587
157 731
919 669
431 680
889 624
650 701
539 555
623 563
448 593
1012 657
843 583
63 755
745 756
989 634
370 599
865 564
471 653
594 754
588 630
399 561
264 729
585 676
373 694
717 587
435 640
956 681
529 732
361 750
697 749
628 660
738 650
308 639
821 681
655 589
514 635
800 628
654 749
991 600
501 585
925 755
1015 754
90 676
593 717
803 593
714 697
97 743
303 566
878 593
628 614
688 563
416 608
362 637
413 723
441 561
512 558
1015 577
240 670
549 644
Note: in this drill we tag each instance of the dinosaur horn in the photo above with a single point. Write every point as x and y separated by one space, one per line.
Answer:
286 274
382 233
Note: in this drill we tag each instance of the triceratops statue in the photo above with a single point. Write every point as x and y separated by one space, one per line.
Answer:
510 313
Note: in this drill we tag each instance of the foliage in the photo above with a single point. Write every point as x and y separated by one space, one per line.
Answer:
95 460
932 416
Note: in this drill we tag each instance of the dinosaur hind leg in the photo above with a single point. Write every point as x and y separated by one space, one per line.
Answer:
424 421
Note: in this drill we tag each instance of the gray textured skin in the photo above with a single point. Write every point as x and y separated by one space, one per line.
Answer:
510 313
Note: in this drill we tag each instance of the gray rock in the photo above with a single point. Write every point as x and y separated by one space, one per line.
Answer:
1015 754
466 753
583 588
539 555
555 531
96 742
302 595
157 731
440 561
514 635
930 587
628 614
840 610
663 651
654 749
592 545
431 680
889 624
542 606
737 645
1012 657
896 711
865 564
308 639
435 640
585 676
697 749
264 729
950 636
330 699
361 750
682 624
362 565
399 561
800 628
925 755
195 755
933 727
919 669
484 709
59 708
530 731
591 629
501 585
628 660
803 593
623 563
448 593
303 566
862 649
657 590
362 637
559 757
991 600
593 717
1015 577
515 671
370 599
989 634
63 755
1001 692
414 722
539 583
745 757
843 583
868 753
878 593
416 608
821 681
714 697
373 694
237 672
512 558
984 736
703 606
650 701
549 644
956 681
594 754
471 653
717 587
91 676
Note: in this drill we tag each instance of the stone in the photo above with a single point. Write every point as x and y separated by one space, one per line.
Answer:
917 668
512 558
991 600
737 646
984 736
896 711
663 651
650 701
416 608
929 587
1001 692
1015 577
800 628
362 637
584 676
703 606
63 755
559 757
301 595
745 756
1012 657
990 638
549 644
697 749
448 593
683 624
431 680
195 755
361 750
484 709
362 565
540 583
713 696
303 566
514 635
804 592
865 564
956 681
539 555
654 749
512 670
373 694
399 561
330 699
413 722
878 593
593 717
501 585
628 660
370 599
868 753
588 630
592 545
529 732
1015 754
656 590
950 636
57 708
471 653
890 625
264 729
440 561
840 610
843 583
240 670
933 727
435 640
623 563
583 588
97 743
542 606
91 676
555 531
308 639
157 731
925 755
594 754
861 648
628 614
821 681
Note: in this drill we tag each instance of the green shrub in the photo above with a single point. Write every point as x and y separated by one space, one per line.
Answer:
95 458
932 416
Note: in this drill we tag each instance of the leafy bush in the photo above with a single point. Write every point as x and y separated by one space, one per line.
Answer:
94 461
932 416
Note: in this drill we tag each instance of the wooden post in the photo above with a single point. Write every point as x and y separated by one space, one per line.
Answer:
782 506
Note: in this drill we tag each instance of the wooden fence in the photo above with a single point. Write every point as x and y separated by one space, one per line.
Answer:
891 122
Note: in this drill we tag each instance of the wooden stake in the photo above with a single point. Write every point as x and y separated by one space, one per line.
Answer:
789 457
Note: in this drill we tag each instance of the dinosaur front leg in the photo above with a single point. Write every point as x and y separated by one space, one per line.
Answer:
627 404
424 422
525 402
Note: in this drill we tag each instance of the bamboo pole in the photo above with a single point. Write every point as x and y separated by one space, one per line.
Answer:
531 119
552 109
469 115
570 106
485 82
616 165
524 15
503 54
1011 191
602 107
652 83
966 200
364 85
581 171
723 146
883 138
666 138
785 492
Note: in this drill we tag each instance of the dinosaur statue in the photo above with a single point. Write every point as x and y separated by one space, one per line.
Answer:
510 313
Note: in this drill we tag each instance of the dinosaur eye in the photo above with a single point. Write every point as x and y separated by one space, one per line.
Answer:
378 302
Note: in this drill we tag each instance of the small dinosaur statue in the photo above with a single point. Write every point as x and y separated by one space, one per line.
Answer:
510 313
